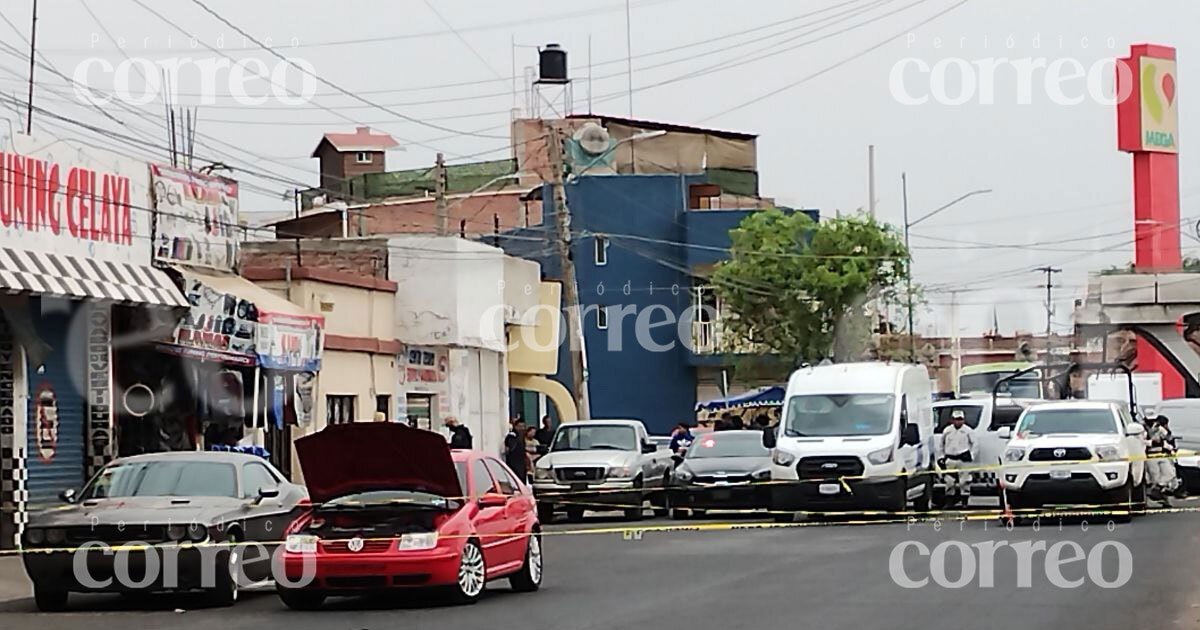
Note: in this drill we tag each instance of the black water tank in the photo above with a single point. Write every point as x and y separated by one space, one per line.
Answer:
552 64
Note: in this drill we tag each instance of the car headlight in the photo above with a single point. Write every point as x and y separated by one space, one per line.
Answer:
35 536
782 458
300 543
684 475
1014 454
56 536
620 472
543 474
1108 453
197 533
423 540
176 533
882 456
762 475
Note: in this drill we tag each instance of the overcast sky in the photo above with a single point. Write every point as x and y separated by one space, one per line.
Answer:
812 77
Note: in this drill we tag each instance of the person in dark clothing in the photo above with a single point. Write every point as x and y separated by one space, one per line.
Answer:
736 424
681 438
546 433
514 451
460 435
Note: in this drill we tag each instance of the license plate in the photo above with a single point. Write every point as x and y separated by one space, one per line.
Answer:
579 487
1060 474
829 488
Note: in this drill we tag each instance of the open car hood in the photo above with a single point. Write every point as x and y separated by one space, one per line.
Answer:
344 459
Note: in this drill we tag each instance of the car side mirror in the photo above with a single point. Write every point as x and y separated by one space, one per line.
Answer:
1004 433
649 447
67 495
493 499
1135 430
769 439
910 435
266 493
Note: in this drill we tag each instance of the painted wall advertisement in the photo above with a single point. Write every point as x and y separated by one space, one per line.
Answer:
71 199
197 220
229 329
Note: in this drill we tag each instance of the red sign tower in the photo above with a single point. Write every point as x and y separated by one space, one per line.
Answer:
1148 127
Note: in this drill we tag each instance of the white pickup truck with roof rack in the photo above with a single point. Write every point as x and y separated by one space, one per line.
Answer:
598 465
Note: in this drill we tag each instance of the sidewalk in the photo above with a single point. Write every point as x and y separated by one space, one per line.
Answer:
13 582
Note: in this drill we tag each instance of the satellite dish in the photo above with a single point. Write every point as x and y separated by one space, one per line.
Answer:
592 138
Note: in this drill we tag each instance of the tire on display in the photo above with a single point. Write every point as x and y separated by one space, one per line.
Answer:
472 574
529 578
225 592
301 599
49 598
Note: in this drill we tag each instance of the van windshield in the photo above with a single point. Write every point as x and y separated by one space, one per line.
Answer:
817 415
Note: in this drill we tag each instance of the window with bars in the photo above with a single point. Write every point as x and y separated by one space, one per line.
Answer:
339 409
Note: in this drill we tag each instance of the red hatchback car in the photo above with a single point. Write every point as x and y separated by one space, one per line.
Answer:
394 507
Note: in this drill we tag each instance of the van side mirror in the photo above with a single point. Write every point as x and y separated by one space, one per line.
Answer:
769 439
1004 433
910 435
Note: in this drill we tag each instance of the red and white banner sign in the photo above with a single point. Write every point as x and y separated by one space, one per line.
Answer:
63 197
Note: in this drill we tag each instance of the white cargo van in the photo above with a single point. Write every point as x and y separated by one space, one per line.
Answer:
853 436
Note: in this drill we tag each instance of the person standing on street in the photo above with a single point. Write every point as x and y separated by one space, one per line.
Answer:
514 451
460 435
681 438
1160 465
545 434
958 447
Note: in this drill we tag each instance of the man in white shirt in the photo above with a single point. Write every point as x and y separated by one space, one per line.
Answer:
958 448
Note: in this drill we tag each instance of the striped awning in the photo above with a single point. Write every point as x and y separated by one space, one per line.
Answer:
47 273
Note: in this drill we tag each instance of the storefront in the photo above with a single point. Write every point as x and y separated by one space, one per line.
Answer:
425 386
238 369
75 230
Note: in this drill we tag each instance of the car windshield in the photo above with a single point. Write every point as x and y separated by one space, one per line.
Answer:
1023 387
971 415
165 479
814 415
376 498
1049 421
728 445
604 437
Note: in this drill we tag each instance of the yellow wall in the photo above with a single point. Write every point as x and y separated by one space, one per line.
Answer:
349 311
533 346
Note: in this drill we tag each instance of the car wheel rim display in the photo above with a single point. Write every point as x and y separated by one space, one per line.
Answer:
535 559
471 571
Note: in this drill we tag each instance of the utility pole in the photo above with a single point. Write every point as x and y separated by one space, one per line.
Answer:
912 339
32 52
570 288
1049 271
439 188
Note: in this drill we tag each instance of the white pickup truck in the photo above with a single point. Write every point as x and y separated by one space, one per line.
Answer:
598 465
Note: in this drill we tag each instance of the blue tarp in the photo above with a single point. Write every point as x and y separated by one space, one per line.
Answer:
764 397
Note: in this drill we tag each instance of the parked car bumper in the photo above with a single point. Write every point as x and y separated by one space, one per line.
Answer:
372 571
718 497
858 494
606 494
157 568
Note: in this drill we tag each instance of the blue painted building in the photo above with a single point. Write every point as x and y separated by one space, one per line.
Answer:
642 246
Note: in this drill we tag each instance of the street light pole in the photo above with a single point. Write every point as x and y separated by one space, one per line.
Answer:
912 341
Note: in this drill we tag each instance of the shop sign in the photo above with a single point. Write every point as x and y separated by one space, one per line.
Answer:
99 385
289 342
196 218
67 199
426 365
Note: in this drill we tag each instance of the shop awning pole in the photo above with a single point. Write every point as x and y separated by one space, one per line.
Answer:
254 419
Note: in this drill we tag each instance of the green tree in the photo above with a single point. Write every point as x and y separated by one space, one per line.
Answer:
802 289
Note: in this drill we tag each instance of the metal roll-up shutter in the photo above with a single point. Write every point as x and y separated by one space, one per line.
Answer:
55 455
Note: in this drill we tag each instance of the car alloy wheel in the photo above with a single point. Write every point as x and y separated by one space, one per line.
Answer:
529 578
472 572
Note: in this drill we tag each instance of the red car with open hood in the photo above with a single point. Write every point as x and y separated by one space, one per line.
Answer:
394 507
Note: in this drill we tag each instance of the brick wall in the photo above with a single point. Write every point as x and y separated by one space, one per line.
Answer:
420 216
363 258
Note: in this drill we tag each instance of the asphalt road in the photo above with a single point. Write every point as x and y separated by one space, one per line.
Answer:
829 576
